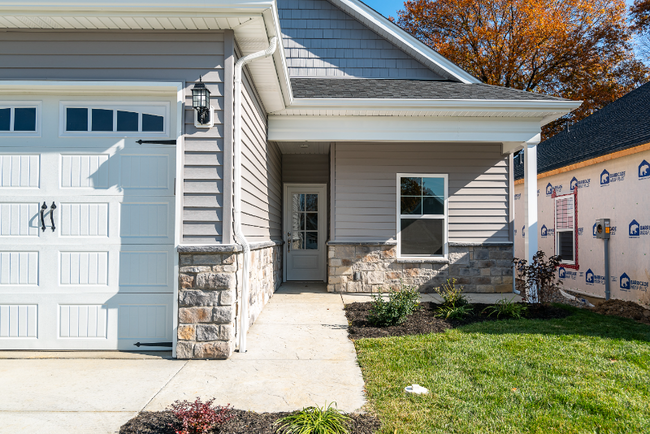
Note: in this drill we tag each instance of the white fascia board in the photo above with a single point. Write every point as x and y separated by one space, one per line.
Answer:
329 104
401 129
145 6
272 21
385 28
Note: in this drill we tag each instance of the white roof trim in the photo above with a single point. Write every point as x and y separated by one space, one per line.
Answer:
402 39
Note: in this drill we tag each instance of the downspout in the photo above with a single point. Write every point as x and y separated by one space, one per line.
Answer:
239 235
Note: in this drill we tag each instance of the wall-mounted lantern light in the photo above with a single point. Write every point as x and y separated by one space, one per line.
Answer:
201 105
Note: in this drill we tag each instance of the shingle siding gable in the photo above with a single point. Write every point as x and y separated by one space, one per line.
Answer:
320 40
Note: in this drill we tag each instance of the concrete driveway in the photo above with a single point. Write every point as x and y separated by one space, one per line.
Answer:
299 355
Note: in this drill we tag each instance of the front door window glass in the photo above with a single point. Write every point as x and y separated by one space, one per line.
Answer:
304 234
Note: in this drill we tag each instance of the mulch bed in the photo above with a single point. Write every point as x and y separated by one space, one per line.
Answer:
244 422
625 309
423 321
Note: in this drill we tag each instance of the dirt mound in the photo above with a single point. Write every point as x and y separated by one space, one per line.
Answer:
626 309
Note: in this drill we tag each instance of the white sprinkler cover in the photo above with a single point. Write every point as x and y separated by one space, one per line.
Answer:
417 389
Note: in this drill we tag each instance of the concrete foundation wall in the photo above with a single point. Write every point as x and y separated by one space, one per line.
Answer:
374 268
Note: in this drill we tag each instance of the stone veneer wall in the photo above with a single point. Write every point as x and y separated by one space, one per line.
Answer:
209 297
482 268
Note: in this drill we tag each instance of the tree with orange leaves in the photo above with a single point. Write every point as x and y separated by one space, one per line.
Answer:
576 49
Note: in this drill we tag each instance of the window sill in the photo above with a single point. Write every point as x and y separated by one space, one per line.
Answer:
422 260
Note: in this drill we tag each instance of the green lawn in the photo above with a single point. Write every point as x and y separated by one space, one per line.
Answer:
583 374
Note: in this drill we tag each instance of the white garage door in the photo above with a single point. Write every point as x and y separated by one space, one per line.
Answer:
86 224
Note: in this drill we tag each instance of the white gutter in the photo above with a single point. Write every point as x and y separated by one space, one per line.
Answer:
239 235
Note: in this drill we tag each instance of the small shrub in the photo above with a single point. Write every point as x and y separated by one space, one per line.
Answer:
507 308
314 420
401 303
540 274
454 305
199 417
451 294
453 312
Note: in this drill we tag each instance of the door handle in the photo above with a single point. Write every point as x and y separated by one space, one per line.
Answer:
43 208
53 207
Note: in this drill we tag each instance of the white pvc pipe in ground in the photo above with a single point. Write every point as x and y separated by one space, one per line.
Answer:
239 235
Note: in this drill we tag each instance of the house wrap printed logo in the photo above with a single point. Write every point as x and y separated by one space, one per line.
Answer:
543 231
636 230
550 187
606 178
644 170
582 183
627 284
523 231
565 274
591 278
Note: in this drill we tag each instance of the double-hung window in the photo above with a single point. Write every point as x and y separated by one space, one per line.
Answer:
422 215
565 228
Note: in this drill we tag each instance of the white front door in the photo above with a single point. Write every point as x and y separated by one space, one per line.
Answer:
86 240
305 231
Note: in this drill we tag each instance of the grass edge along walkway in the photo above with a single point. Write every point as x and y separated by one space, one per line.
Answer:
586 373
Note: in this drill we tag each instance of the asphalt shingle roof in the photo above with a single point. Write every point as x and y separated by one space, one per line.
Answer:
407 89
623 124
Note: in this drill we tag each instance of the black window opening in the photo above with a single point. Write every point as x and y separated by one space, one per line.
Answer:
18 119
107 120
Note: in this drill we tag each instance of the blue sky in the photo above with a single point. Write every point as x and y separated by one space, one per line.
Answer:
386 7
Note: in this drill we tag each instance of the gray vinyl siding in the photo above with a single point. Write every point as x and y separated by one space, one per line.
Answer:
147 56
261 172
306 168
366 192
320 40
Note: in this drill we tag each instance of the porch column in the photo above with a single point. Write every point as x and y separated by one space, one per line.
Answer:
530 202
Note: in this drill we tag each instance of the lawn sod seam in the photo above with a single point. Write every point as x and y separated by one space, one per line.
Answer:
584 373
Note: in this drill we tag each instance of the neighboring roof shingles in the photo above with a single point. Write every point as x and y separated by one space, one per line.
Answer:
623 124
407 89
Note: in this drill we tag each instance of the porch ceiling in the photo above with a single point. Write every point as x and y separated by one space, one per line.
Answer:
304 147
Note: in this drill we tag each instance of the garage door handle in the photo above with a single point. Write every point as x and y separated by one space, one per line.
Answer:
43 208
53 207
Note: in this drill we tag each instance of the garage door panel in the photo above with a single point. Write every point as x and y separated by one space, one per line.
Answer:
84 171
83 321
18 320
19 268
84 268
146 222
84 219
150 172
145 269
19 219
19 171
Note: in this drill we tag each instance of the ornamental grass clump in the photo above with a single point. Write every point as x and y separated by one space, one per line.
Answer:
454 305
199 417
314 420
401 303
507 308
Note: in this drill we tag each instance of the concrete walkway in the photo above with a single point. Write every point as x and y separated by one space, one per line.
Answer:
298 355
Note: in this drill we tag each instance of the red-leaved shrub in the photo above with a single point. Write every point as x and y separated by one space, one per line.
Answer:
200 417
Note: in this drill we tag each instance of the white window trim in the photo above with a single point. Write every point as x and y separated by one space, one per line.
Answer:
20 104
444 218
113 105
573 231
